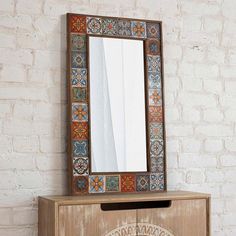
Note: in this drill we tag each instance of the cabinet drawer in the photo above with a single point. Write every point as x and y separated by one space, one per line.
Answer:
165 214
91 220
182 218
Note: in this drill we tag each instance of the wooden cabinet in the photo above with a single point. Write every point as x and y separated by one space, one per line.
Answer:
151 214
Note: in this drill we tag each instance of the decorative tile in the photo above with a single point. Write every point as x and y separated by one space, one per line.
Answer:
124 28
112 183
152 47
157 182
79 77
155 114
78 42
156 131
157 164
142 182
79 130
109 26
79 112
80 166
154 80
80 148
80 184
79 94
78 24
153 30
94 25
127 183
138 29
96 184
155 97
156 148
154 63
78 59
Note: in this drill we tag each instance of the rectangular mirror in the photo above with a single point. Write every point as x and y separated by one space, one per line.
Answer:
116 137
117 105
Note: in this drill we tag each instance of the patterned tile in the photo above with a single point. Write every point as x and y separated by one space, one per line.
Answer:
80 166
138 29
79 77
124 28
80 184
79 130
157 164
156 148
142 182
78 59
152 47
154 80
153 30
80 148
112 183
78 24
155 97
157 182
79 112
155 114
96 184
78 42
156 131
109 26
79 94
154 63
94 25
128 183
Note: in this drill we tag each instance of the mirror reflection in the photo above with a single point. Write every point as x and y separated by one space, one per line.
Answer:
117 105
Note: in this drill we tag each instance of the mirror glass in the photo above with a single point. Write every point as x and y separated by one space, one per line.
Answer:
117 105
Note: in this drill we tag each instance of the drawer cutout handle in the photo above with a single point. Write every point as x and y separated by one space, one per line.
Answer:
135 205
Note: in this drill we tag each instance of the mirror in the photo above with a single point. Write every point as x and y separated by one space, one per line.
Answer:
117 105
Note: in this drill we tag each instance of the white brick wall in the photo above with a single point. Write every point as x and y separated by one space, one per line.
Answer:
200 93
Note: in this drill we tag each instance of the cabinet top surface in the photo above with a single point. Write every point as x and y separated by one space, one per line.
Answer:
93 199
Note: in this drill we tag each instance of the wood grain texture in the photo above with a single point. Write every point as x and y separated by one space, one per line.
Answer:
189 214
91 220
183 217
47 218
93 199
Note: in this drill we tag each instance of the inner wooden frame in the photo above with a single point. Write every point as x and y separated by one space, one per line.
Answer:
81 179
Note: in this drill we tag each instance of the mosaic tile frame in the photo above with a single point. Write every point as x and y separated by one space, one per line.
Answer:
81 178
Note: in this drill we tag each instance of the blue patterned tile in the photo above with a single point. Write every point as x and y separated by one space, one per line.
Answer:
80 148
109 26
142 183
96 184
112 183
79 112
80 184
153 47
156 148
154 64
78 59
154 80
124 28
79 94
79 77
153 30
157 164
78 42
157 182
138 29
94 25
156 131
